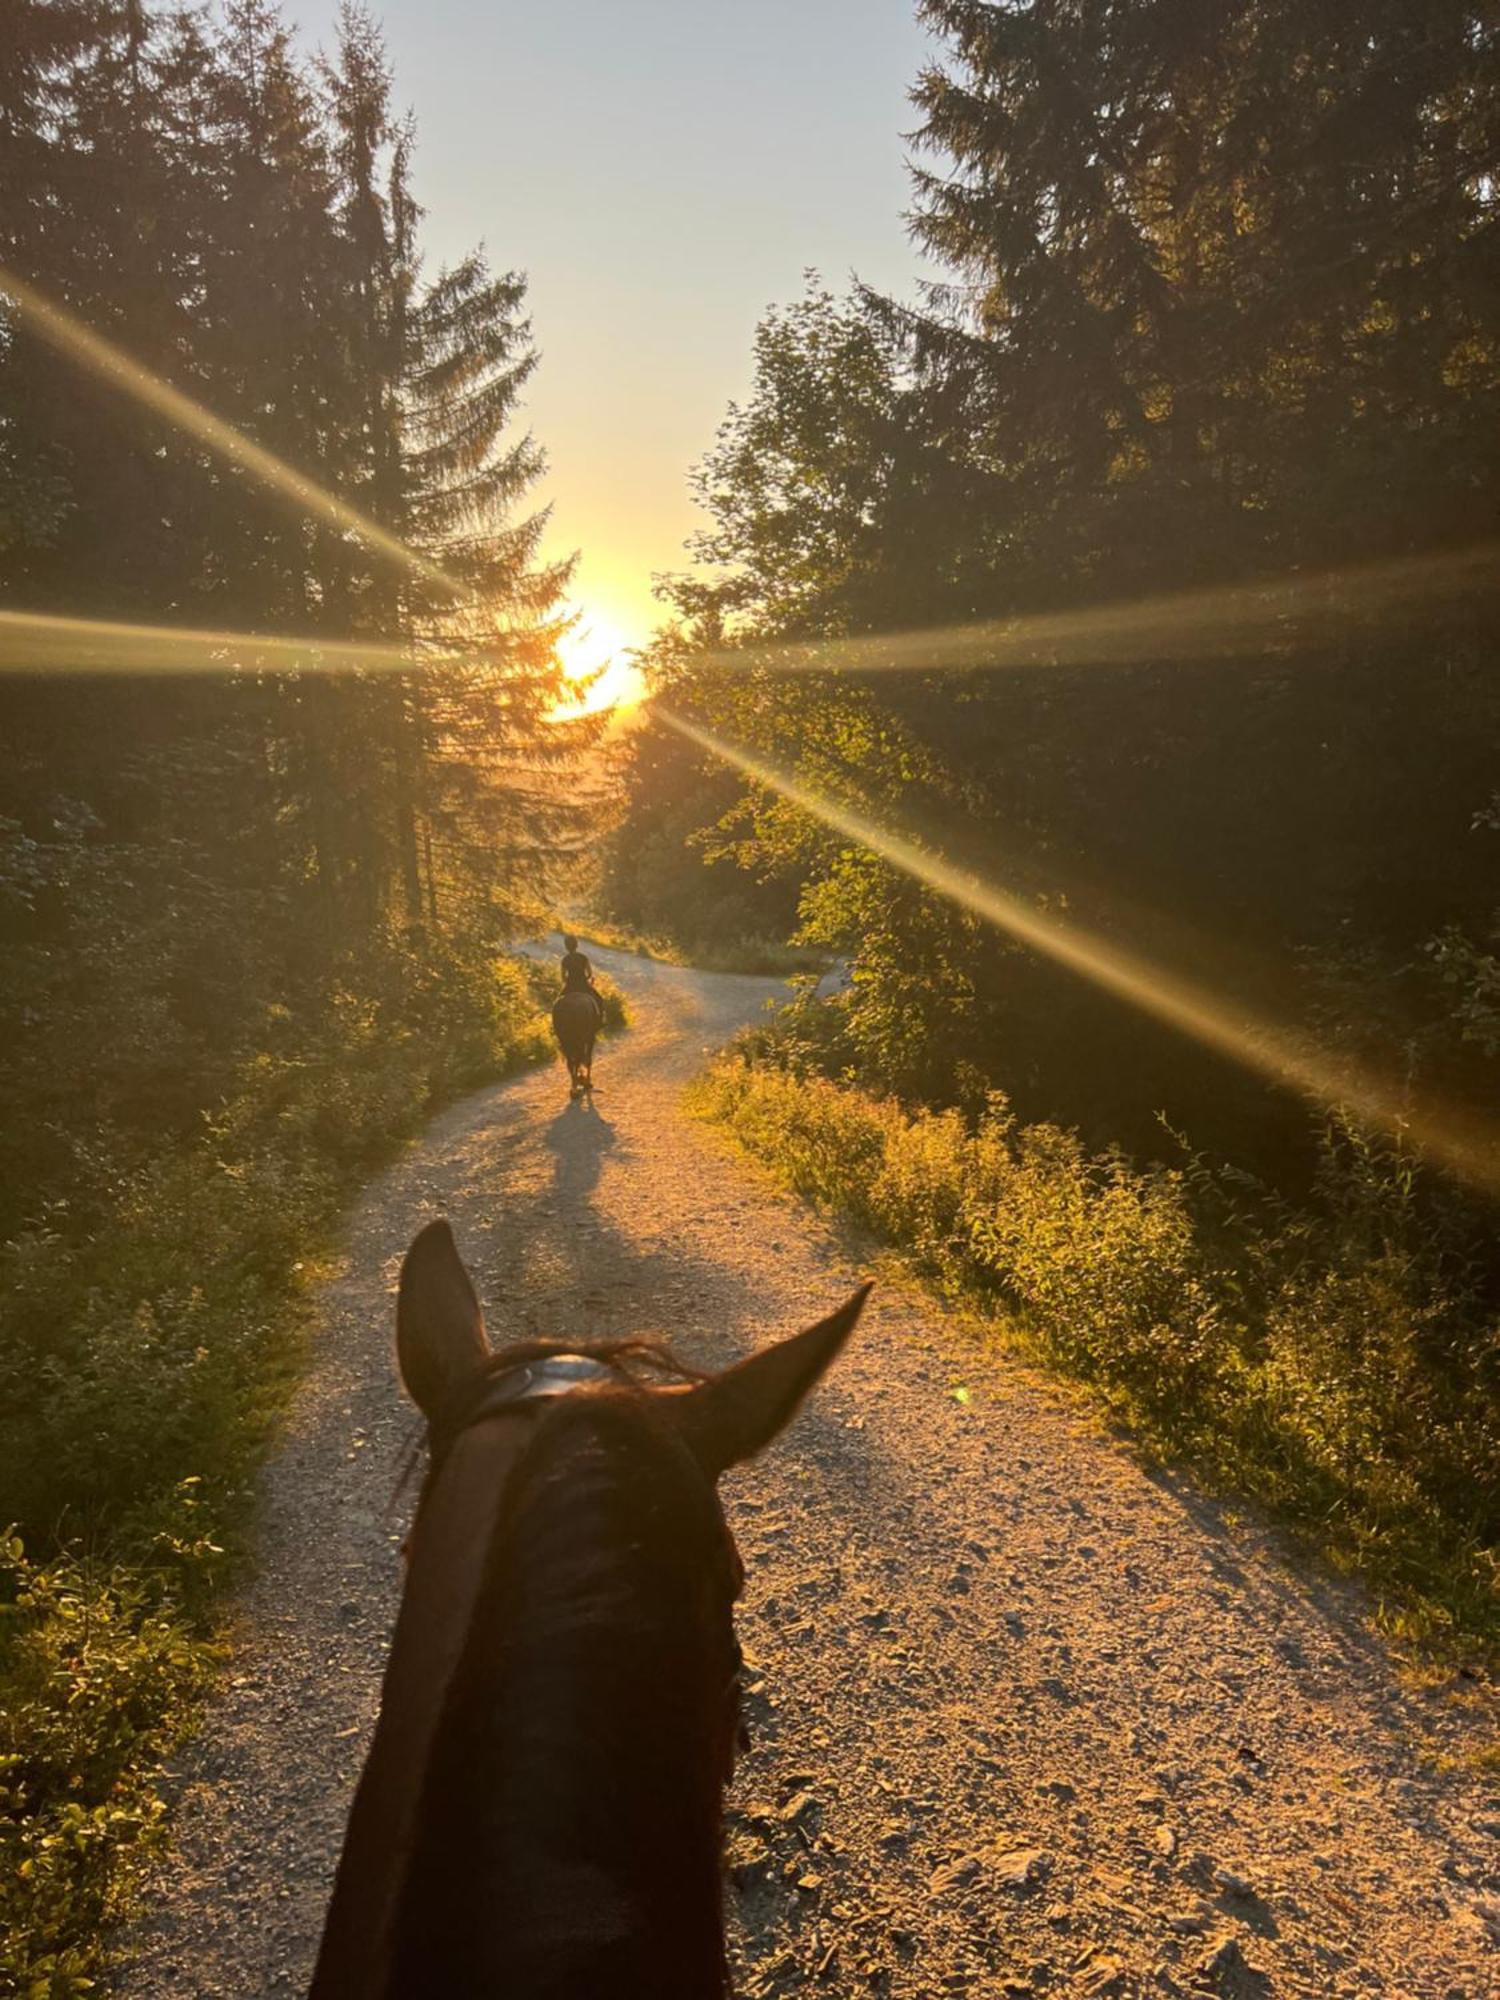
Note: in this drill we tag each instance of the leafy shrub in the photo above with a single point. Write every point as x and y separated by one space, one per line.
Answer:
150 1329
1331 1365
101 1670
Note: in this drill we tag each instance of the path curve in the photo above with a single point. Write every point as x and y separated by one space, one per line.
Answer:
1026 1719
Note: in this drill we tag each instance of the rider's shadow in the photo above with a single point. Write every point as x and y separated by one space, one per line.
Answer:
579 1138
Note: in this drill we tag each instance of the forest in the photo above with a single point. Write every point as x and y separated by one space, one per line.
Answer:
1140 573
252 914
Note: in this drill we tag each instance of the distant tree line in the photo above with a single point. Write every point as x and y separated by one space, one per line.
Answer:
1219 304
183 859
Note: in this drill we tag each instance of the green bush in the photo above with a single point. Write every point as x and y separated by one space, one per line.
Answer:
1329 1364
101 1669
150 1329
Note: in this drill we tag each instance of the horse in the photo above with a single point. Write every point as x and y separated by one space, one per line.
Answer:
575 1022
540 1812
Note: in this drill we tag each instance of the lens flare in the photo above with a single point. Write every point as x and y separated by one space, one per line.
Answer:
1287 614
32 643
81 344
596 659
1468 1147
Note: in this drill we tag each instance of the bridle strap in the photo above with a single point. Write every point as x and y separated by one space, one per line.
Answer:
542 1379
533 1381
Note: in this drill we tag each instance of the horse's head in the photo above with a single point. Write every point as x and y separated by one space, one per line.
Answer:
541 1803
447 1363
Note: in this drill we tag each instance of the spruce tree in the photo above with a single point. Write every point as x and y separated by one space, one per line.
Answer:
494 813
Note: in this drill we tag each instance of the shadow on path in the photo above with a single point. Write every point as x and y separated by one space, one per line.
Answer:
579 1137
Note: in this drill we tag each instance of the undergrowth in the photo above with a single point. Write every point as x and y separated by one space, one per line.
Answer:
151 1329
1327 1361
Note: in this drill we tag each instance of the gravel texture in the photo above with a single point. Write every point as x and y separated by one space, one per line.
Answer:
1026 1717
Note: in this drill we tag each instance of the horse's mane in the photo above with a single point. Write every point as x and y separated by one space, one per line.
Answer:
584 1738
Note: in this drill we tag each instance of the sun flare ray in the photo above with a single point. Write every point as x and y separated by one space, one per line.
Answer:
1466 1146
111 364
39 643
1282 614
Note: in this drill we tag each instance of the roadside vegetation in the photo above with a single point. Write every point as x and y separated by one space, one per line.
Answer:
153 1323
1066 575
253 922
1338 1363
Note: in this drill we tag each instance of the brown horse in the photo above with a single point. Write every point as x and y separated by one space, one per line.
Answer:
539 1816
575 1022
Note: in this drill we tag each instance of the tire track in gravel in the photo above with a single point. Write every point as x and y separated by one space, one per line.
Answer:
1026 1718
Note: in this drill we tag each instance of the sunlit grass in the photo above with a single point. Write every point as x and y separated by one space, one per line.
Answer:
1289 1377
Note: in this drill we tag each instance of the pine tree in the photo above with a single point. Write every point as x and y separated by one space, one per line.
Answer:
45 44
242 222
442 367
1214 265
494 813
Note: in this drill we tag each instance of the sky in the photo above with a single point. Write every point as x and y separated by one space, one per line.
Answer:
662 171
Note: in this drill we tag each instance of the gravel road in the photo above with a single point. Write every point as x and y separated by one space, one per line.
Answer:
1027 1718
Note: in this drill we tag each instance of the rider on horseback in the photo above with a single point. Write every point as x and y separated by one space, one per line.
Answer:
578 974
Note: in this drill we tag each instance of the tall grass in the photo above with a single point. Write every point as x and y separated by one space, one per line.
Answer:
151 1329
1327 1363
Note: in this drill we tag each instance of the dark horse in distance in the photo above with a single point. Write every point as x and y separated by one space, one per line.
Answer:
540 1814
575 1022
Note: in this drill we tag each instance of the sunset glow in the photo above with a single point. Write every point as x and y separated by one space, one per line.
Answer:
597 657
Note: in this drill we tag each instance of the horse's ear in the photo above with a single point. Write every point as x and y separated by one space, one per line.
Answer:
439 1328
739 1412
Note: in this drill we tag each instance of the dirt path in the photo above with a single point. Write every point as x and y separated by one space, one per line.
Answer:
1025 1719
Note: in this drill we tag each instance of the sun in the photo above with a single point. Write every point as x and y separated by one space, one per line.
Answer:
596 652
